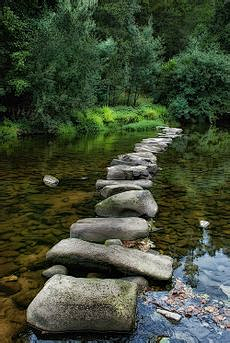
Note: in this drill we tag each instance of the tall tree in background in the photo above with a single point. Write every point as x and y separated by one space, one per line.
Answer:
64 68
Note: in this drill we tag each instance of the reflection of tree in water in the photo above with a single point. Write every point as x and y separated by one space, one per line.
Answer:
194 185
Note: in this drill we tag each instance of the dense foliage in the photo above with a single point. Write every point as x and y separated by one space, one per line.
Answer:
195 84
62 57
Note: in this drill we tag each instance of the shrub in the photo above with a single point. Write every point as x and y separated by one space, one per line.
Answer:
194 85
66 131
144 125
9 130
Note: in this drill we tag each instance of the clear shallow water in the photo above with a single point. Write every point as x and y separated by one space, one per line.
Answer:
192 185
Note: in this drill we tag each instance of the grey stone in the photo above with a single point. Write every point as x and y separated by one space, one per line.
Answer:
157 140
144 183
75 252
151 167
147 148
141 282
147 156
128 204
109 242
204 224
134 159
57 269
107 191
173 130
50 181
68 304
125 172
100 229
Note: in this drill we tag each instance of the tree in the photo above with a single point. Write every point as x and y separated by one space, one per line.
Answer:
64 70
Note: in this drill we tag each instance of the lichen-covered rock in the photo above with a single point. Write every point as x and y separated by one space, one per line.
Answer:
57 269
144 183
78 253
128 204
100 229
125 172
68 304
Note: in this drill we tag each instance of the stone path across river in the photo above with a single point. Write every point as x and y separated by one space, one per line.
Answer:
67 303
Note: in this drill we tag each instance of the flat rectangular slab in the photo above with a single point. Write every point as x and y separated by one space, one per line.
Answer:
144 183
75 252
100 229
69 304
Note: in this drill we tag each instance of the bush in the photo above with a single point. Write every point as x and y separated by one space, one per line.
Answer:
194 85
144 125
9 130
66 131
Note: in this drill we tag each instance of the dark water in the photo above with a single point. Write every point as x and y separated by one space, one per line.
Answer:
193 185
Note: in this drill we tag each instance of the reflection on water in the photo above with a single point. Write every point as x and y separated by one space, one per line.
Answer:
192 185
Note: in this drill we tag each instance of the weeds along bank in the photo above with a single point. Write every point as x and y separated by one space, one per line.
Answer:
91 121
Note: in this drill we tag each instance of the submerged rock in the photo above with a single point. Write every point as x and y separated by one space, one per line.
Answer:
75 252
126 204
204 224
101 229
144 183
50 181
125 172
68 304
57 269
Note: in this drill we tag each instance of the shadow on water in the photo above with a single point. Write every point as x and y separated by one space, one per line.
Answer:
192 185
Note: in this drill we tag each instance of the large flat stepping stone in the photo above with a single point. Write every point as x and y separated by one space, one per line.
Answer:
125 172
128 204
110 190
76 252
158 140
144 183
148 156
149 147
68 304
134 159
101 229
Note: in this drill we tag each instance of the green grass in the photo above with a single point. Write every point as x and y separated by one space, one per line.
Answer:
145 116
144 125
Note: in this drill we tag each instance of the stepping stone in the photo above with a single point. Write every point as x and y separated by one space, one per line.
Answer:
128 204
144 183
146 148
76 252
57 269
101 229
151 167
124 172
151 147
108 191
68 304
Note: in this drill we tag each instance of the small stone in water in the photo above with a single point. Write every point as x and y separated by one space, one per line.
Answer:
50 181
204 224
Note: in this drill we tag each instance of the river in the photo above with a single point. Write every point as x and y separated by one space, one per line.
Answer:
192 185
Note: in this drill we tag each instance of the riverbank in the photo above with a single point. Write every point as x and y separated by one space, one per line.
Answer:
145 116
